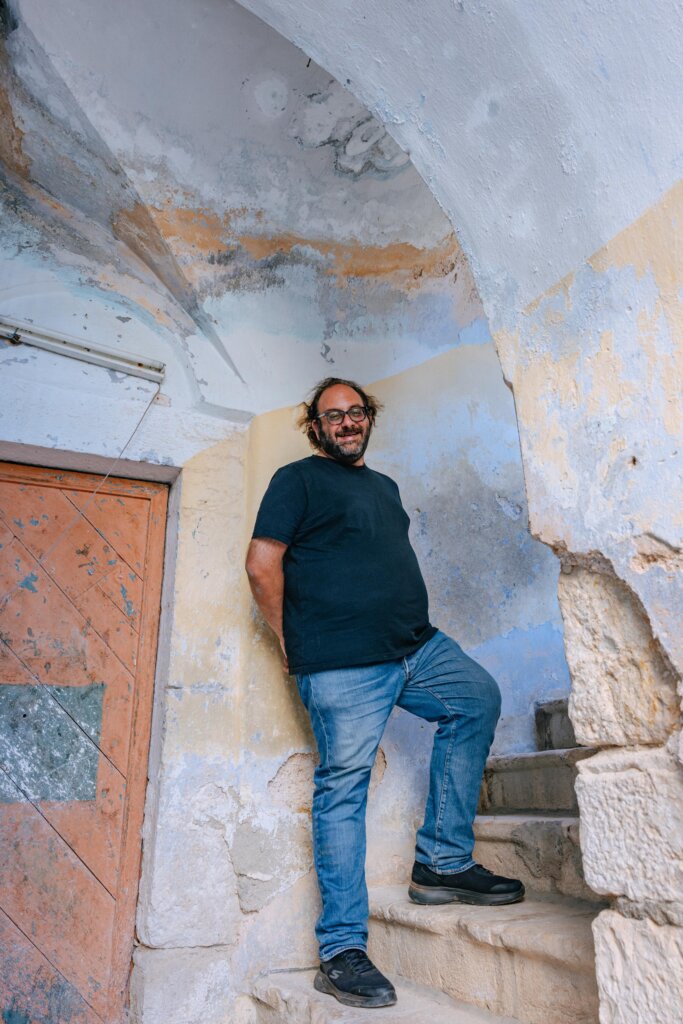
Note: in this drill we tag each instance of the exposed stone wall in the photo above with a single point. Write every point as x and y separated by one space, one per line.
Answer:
623 685
597 370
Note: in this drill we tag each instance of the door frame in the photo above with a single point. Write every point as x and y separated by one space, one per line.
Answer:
27 464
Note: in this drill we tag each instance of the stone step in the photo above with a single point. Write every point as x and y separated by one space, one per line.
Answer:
542 780
554 730
288 997
533 961
540 849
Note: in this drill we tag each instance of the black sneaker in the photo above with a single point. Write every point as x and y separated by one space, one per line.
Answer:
475 885
352 978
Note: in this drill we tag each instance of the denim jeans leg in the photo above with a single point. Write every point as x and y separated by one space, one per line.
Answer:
348 709
446 686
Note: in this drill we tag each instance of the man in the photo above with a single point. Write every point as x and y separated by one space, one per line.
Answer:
333 572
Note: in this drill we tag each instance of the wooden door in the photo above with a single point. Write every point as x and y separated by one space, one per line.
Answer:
80 582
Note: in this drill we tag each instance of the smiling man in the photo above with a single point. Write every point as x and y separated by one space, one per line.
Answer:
333 572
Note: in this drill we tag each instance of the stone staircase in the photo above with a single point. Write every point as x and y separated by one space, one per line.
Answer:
527 963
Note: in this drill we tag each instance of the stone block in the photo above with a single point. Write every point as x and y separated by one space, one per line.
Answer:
623 688
542 780
181 986
281 935
639 967
188 891
631 805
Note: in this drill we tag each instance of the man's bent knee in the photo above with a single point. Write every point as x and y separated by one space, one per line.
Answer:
489 692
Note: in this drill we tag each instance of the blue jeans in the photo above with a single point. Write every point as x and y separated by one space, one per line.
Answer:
349 708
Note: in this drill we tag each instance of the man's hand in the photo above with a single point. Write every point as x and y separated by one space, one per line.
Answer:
267 582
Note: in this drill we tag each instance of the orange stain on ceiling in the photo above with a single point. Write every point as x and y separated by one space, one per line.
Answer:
351 259
11 135
202 233
199 230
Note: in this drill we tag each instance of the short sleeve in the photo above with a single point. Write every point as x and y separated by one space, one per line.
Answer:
283 506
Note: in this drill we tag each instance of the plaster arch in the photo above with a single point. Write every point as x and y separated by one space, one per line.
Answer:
542 130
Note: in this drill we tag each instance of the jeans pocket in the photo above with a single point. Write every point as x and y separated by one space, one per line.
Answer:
303 685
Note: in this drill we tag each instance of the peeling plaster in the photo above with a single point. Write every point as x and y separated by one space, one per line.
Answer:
331 116
240 242
543 132
597 372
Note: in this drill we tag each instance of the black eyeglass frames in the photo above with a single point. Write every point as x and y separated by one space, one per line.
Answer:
357 413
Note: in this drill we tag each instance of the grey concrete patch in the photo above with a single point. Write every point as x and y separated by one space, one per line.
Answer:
42 749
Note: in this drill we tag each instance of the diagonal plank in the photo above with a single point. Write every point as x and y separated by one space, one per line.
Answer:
113 626
125 590
33 514
6 536
51 528
11 669
42 749
51 896
55 643
120 520
31 989
57 767
93 828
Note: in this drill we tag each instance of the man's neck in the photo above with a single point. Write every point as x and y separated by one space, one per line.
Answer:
359 462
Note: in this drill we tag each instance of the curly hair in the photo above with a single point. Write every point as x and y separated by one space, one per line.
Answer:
309 409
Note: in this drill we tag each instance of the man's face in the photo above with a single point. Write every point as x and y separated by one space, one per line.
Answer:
345 441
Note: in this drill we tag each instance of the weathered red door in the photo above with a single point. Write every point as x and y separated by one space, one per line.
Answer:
80 581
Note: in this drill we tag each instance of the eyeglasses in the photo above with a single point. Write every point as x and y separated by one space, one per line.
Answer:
357 413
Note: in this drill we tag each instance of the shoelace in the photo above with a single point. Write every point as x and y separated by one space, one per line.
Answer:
358 961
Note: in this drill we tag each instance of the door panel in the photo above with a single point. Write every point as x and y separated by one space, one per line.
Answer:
80 580
30 987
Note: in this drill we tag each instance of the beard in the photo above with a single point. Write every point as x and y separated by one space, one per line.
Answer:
347 453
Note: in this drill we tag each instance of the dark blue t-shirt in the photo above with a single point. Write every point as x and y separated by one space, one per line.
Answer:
354 593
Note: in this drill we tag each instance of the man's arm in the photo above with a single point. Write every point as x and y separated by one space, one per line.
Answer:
267 582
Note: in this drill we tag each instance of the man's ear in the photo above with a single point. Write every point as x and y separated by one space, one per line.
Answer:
316 428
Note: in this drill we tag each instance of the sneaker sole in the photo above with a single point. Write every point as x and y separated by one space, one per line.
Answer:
323 984
430 895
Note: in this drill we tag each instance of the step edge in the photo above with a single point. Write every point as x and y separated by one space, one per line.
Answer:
522 817
432 997
511 933
567 756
